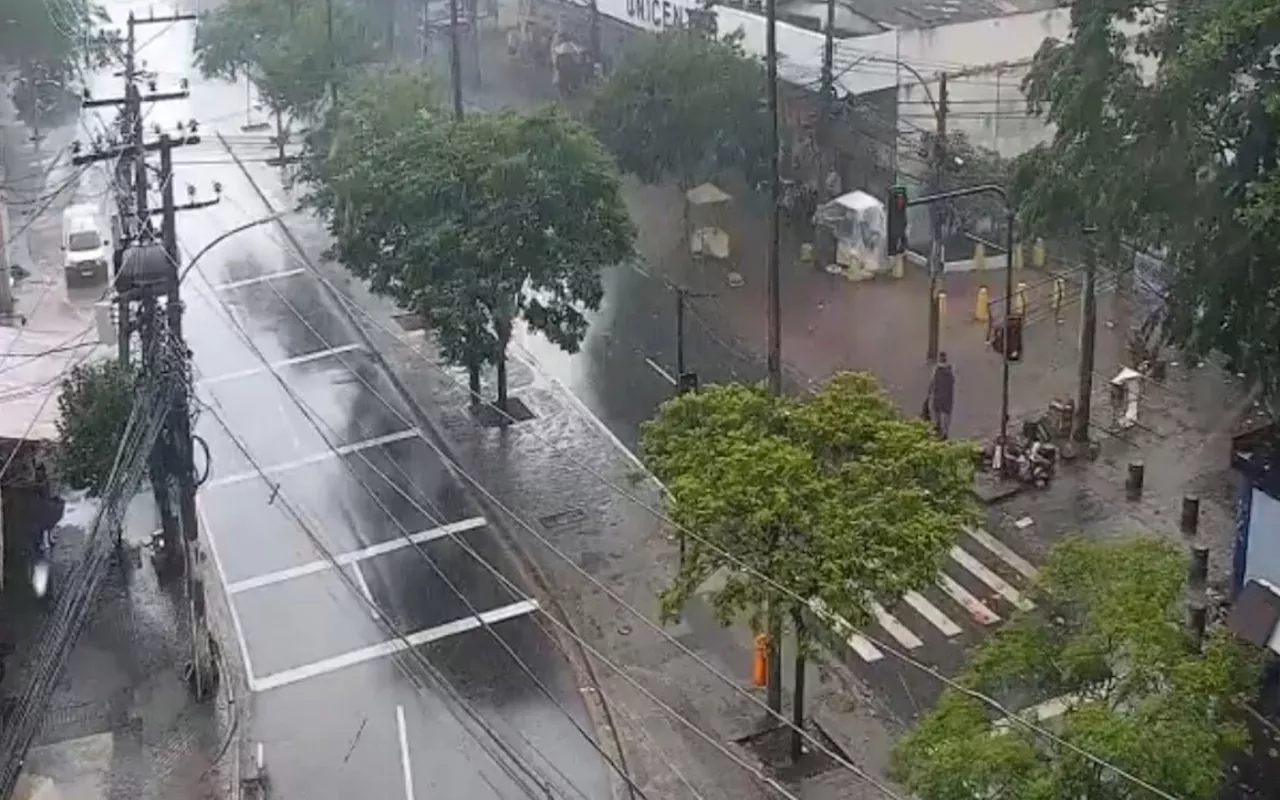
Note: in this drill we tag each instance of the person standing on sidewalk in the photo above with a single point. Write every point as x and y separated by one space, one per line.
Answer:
941 396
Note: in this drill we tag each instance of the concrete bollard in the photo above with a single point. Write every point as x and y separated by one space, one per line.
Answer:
1197 617
1059 292
980 257
942 308
1190 522
1198 569
1020 300
1134 480
982 307
1038 255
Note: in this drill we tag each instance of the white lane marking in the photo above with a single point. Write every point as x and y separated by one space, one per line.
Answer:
278 365
998 584
355 556
857 642
894 627
288 273
399 645
343 450
999 548
222 578
978 610
404 753
666 376
364 589
932 613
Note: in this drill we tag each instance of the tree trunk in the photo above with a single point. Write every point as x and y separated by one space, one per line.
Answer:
503 328
473 380
797 699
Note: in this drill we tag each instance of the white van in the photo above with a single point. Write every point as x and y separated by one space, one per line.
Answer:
86 245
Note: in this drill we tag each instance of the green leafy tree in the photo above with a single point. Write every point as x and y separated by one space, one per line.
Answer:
477 224
968 164
1107 636
836 497
685 105
94 405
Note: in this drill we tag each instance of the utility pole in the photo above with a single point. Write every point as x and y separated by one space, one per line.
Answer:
774 668
455 60
333 57
181 466
826 241
1088 336
686 381
939 218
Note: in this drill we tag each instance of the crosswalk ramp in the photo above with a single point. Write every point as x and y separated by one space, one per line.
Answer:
977 588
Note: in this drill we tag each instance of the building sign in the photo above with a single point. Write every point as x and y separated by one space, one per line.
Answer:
651 15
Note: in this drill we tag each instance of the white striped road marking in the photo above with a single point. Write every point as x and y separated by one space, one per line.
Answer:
355 556
403 734
398 645
278 365
1020 564
288 273
894 627
857 642
998 584
978 610
364 589
932 613
335 452
666 376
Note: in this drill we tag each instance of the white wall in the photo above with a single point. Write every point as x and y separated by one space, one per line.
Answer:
988 106
1263 551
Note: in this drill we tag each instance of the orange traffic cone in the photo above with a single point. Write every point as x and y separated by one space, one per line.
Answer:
760 666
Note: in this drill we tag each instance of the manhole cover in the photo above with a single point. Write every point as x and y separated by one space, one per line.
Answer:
562 519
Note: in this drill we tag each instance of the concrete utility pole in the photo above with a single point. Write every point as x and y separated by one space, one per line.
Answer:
181 467
1088 336
333 56
826 241
939 218
455 60
774 682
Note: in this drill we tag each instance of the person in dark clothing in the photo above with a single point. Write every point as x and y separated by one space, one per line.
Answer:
942 394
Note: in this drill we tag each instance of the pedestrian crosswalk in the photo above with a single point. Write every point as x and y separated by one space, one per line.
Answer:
976 588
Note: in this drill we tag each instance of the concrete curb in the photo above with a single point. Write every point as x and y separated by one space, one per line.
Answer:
597 705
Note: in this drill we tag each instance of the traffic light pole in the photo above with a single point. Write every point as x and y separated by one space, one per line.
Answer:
1008 277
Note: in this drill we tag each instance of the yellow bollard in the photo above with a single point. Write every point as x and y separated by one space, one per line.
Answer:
897 269
1017 256
1059 291
1020 300
806 253
980 257
1038 256
982 308
942 308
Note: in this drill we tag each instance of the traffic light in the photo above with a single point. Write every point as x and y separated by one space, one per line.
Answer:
897 224
1010 333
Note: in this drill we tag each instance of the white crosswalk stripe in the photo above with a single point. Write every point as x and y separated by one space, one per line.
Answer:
894 627
1005 552
980 571
979 611
932 613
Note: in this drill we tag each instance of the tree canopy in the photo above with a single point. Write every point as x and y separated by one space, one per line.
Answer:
1108 636
94 405
285 49
473 224
968 164
1166 139
52 41
684 105
835 496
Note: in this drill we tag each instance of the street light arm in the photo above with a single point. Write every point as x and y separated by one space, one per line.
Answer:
227 235
968 191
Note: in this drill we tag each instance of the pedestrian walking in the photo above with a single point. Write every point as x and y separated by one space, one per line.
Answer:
941 395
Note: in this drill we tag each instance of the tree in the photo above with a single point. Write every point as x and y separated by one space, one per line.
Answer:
967 165
1106 635
477 224
285 48
836 497
685 105
53 42
94 406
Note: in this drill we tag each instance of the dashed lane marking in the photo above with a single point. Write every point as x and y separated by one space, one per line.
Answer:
342 450
278 365
349 659
1004 552
355 556
229 285
999 585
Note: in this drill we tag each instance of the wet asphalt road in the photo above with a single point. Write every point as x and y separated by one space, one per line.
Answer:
371 675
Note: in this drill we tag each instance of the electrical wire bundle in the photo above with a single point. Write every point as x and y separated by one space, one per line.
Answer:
76 598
